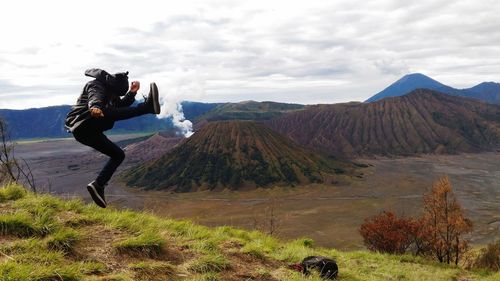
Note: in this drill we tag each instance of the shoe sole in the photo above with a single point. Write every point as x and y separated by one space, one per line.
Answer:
154 92
96 197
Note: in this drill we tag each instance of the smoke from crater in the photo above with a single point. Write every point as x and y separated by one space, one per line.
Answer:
175 87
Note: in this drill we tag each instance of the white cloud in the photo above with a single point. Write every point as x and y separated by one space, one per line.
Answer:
292 51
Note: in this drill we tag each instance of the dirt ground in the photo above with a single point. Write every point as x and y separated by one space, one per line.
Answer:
330 215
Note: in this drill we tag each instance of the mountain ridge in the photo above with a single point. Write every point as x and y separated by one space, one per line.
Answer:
423 121
50 121
249 110
485 91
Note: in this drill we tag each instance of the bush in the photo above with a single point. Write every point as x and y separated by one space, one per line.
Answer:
389 234
489 258
307 242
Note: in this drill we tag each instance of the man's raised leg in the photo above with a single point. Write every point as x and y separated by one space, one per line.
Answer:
150 105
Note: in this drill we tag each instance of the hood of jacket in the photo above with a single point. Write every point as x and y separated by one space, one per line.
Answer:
116 83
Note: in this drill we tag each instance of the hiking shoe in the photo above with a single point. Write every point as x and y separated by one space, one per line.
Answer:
152 101
97 193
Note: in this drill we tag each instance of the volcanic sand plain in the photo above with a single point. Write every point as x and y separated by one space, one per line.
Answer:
329 214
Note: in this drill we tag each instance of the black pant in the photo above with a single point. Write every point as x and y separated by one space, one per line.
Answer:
90 133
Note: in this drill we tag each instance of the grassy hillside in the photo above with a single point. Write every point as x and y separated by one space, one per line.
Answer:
235 154
45 238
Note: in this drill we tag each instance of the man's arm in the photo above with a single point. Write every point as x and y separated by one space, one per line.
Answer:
129 97
127 100
96 100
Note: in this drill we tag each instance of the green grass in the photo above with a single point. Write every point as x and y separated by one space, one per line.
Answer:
45 238
23 224
211 276
261 246
29 259
110 277
14 271
147 244
11 192
262 273
148 270
18 224
210 263
64 240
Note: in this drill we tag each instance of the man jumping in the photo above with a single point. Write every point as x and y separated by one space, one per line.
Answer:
103 101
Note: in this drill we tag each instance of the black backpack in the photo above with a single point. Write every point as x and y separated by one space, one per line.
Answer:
326 267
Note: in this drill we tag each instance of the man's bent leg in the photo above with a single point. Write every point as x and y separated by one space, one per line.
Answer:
91 136
116 155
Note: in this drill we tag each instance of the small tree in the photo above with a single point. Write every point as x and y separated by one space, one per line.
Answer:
11 170
445 223
273 220
268 219
439 232
388 233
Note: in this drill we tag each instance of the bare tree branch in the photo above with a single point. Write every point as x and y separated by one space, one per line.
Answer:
10 168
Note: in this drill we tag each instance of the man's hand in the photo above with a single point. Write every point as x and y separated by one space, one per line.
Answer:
134 87
96 112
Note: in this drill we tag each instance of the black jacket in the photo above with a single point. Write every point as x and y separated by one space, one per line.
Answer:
103 92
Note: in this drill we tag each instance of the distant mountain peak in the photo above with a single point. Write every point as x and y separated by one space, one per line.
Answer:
416 75
412 77
409 83
485 91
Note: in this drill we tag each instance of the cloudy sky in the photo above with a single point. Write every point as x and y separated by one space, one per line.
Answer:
290 51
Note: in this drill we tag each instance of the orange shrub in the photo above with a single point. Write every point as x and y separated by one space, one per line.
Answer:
388 233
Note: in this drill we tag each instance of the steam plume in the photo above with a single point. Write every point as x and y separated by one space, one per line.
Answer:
175 87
